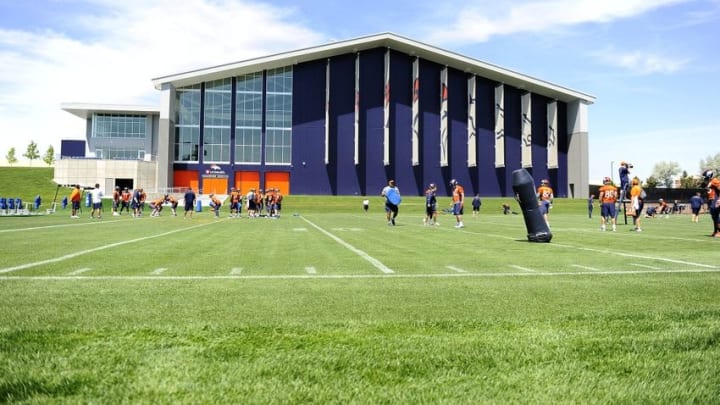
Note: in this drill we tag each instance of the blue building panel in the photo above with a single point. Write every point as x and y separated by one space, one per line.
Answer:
513 136
561 176
401 125
429 101
371 167
488 182
309 173
539 139
457 128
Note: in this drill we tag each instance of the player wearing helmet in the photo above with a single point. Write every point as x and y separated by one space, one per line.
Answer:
458 198
545 199
431 205
607 196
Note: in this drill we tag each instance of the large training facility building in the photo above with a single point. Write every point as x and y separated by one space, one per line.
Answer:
339 119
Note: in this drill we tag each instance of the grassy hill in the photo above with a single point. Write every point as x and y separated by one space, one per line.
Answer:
28 182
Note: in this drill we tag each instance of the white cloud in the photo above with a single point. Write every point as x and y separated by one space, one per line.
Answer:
126 45
642 62
480 22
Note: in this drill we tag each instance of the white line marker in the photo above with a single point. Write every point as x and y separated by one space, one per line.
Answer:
300 229
363 276
523 268
645 266
375 262
110 221
580 266
310 270
456 269
97 249
79 271
161 270
236 271
635 256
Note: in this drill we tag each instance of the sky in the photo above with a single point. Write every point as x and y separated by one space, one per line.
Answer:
653 65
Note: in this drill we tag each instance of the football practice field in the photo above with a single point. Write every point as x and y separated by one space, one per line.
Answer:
328 304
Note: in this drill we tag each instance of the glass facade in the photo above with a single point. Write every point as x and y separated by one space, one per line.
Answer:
256 108
217 114
187 123
278 116
119 126
120 153
248 118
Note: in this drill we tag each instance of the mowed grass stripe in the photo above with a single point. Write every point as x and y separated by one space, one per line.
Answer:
524 273
93 250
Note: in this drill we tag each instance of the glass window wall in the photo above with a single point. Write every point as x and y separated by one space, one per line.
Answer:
187 123
278 116
248 118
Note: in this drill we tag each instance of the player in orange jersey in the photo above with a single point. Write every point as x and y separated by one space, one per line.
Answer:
75 197
712 185
157 206
116 201
173 203
545 199
607 196
458 199
234 203
215 204
636 199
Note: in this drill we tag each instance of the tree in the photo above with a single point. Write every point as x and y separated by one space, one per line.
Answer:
32 152
689 182
665 171
651 182
11 158
711 162
49 157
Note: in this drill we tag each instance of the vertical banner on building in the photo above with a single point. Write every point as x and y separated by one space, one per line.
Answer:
499 126
386 111
526 130
552 147
471 126
327 112
357 109
444 117
416 112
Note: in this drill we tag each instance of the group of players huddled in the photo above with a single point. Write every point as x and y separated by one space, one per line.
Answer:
257 202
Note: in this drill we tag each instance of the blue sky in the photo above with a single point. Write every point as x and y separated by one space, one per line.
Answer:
653 65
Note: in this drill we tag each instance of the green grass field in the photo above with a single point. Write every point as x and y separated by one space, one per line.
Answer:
330 305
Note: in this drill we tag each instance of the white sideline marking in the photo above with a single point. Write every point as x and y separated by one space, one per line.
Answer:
456 269
236 271
363 276
161 270
580 266
645 266
79 271
635 256
375 262
310 270
523 268
97 249
300 229
110 221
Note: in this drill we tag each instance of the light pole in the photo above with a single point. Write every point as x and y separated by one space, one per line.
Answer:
612 164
